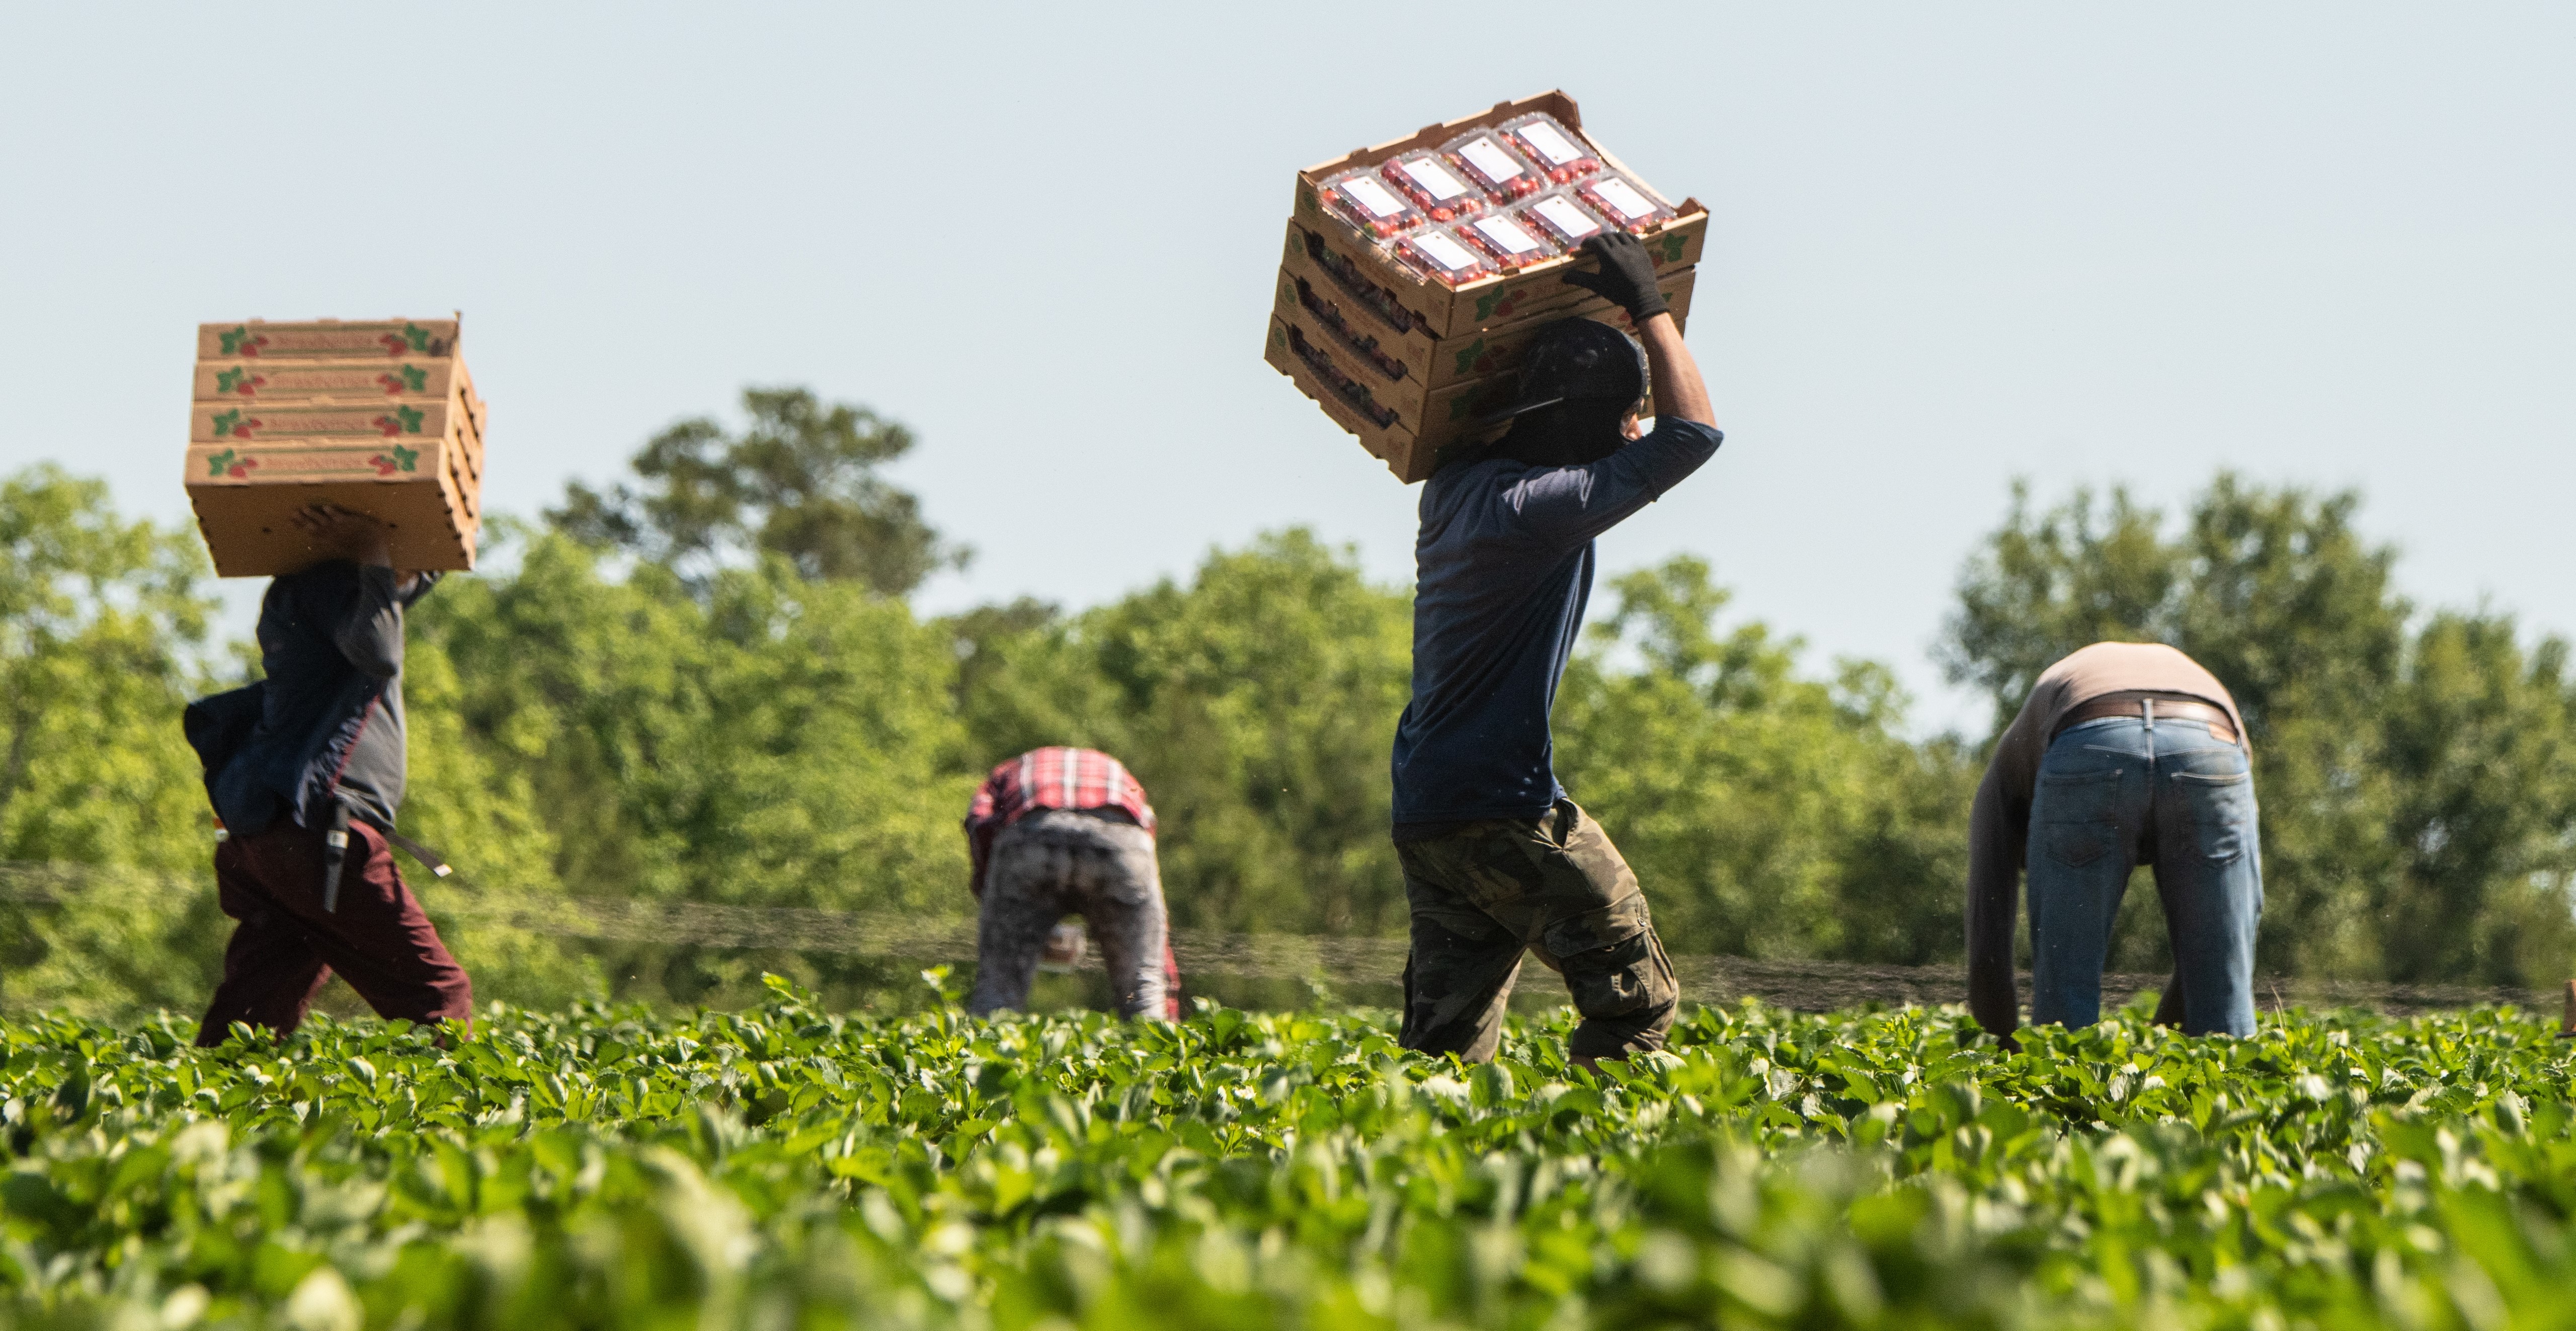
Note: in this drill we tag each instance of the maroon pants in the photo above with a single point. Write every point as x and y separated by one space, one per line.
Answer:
285 948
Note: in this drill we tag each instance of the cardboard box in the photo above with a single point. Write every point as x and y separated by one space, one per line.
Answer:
1408 403
251 422
246 495
376 416
1410 353
411 379
1411 453
383 339
1444 311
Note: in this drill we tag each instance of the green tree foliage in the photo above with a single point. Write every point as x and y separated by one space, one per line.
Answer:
724 725
2415 778
1256 704
101 623
757 739
1766 814
801 482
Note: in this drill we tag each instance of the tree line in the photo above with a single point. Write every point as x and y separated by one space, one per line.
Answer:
705 683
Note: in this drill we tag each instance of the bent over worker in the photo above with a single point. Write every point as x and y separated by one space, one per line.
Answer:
1058 832
306 770
1497 860
2124 754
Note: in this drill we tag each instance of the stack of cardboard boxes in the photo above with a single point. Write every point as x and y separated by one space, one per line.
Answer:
1411 364
376 417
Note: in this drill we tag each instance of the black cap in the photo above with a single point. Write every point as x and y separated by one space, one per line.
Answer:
1576 360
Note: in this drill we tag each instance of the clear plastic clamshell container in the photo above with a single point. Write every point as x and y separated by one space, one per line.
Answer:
1438 191
1556 151
1562 218
1507 241
1622 201
1482 158
1437 252
1364 201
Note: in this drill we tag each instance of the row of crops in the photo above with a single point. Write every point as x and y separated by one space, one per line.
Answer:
786 1167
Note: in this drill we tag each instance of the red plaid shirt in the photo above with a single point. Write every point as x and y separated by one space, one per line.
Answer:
1060 778
1056 778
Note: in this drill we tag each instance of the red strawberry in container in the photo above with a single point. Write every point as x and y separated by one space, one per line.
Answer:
1558 216
1436 252
1506 242
1438 191
1555 150
1482 158
1364 201
1624 202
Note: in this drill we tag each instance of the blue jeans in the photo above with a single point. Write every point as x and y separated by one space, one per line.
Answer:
2115 793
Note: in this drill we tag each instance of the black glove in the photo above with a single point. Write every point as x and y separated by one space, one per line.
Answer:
1627 275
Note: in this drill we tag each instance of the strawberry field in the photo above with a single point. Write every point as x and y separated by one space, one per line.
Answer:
787 1167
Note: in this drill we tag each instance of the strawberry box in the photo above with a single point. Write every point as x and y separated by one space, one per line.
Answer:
1348 302
1402 372
1446 311
411 379
377 416
1392 444
1405 411
213 422
246 495
383 339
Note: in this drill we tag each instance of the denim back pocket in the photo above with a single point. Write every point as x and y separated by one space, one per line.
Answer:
2222 812
2075 816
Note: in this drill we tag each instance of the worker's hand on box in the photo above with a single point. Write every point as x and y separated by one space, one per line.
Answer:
339 533
1627 275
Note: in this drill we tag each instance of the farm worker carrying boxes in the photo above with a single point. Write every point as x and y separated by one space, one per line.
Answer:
2124 754
1057 832
1496 858
306 772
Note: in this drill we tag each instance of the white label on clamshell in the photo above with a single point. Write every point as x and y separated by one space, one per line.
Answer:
1555 147
1507 233
1617 194
1569 220
1447 253
1434 179
1376 198
1497 165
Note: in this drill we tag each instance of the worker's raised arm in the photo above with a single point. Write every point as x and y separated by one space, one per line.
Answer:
1627 276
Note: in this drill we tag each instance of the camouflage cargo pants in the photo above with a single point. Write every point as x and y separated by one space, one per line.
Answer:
1555 886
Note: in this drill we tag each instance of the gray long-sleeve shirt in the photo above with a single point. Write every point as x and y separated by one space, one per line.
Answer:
331 645
1503 572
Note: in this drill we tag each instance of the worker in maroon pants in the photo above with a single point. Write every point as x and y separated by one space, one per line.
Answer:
306 772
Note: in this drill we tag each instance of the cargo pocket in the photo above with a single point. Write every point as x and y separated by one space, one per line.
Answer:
2222 812
2075 815
1606 957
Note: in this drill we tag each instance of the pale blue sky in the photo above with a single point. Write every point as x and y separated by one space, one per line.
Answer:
1953 244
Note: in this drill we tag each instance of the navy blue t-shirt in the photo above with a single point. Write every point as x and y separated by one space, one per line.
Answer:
1503 568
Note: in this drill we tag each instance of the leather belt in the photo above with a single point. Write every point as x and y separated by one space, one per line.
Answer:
2221 725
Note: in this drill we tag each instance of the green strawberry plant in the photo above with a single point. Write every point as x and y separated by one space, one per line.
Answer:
789 1167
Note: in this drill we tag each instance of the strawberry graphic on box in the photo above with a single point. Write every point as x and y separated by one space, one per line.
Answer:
405 420
412 338
233 425
397 458
1499 304
239 379
409 378
243 342
230 463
